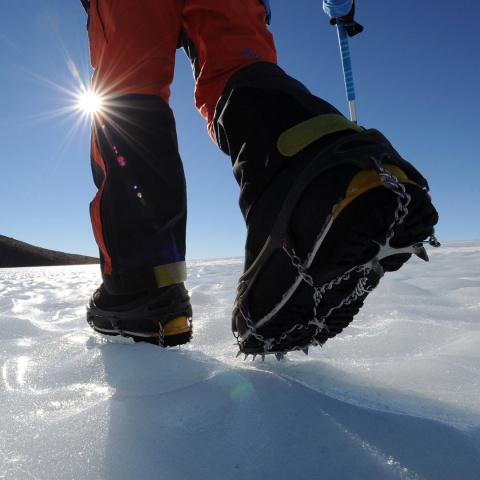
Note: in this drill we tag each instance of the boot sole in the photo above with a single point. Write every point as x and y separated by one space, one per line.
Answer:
164 322
104 326
349 242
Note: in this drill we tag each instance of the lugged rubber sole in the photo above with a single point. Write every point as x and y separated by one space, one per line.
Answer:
176 332
160 317
351 241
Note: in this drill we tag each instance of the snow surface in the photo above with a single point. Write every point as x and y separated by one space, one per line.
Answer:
396 396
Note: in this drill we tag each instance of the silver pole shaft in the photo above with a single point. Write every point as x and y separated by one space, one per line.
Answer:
353 113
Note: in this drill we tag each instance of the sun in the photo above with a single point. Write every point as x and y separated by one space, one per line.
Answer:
90 102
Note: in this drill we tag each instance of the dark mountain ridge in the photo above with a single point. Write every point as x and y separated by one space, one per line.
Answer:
14 253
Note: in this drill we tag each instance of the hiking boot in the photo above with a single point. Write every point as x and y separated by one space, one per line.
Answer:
161 317
354 211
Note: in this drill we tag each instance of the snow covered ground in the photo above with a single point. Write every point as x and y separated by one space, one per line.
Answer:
396 396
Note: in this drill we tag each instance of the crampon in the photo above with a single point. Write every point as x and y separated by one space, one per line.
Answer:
383 219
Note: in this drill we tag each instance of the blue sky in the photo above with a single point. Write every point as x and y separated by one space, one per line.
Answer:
416 74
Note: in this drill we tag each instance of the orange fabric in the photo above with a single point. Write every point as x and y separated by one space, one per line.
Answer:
228 35
133 44
96 214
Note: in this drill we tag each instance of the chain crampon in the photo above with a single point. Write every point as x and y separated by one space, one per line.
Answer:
390 182
122 333
161 335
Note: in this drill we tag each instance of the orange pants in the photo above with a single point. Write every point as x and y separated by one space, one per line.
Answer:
133 44
139 212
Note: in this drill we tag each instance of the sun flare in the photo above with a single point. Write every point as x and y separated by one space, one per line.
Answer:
90 103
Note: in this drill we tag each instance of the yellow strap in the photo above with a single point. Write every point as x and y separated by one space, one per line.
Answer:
300 136
170 274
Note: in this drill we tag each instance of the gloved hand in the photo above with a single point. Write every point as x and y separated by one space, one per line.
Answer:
352 27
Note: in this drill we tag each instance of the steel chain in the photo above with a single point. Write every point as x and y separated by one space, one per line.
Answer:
121 333
390 182
161 336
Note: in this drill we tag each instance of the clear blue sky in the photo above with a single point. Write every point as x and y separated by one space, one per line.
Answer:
416 69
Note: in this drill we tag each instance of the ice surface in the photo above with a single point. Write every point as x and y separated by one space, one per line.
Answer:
396 396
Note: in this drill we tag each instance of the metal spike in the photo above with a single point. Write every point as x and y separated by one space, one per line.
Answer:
305 351
254 357
434 242
422 253
263 357
238 354
377 268
246 356
279 356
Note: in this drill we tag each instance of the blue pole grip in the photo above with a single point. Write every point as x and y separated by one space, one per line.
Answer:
347 64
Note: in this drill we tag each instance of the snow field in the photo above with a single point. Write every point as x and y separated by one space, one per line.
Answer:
395 396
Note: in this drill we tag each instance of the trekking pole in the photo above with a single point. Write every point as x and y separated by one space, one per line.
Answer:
347 70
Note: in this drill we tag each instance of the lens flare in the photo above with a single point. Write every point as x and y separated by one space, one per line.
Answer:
87 101
90 102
